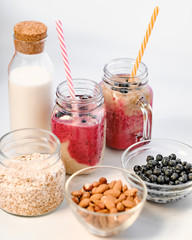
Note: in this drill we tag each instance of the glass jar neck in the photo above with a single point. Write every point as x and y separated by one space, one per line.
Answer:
29 48
29 140
117 73
88 96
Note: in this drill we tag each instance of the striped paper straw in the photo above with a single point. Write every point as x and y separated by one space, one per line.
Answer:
65 58
145 41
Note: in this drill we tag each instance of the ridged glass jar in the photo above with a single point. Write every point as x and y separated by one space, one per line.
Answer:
80 124
32 175
128 102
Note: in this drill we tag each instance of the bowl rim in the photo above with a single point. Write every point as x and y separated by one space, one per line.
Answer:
152 185
136 208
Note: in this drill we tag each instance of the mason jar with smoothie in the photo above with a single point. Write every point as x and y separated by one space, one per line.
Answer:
128 102
80 124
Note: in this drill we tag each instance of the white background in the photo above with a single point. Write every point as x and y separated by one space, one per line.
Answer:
97 31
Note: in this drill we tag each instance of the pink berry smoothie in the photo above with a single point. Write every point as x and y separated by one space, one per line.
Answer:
124 116
82 138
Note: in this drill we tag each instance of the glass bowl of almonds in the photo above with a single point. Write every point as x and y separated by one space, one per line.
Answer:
105 199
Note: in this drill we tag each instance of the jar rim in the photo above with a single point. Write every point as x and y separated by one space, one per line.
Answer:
131 62
37 130
64 98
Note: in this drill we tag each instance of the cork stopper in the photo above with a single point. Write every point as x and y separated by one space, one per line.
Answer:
29 36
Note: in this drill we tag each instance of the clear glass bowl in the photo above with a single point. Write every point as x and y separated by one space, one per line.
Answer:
137 154
105 224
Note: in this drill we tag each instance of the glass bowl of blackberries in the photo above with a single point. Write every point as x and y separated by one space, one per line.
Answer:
164 165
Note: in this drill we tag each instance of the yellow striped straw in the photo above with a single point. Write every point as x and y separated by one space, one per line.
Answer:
145 41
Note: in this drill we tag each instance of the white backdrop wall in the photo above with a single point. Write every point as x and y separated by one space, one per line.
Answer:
97 31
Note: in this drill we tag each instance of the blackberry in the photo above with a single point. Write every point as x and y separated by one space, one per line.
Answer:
187 166
166 179
165 161
125 85
168 172
148 173
137 168
84 97
174 176
159 157
178 160
157 171
190 176
172 156
144 178
160 179
183 179
144 168
59 114
150 158
153 178
179 168
124 90
172 163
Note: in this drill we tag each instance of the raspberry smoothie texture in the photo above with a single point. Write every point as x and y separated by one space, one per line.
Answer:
82 138
124 116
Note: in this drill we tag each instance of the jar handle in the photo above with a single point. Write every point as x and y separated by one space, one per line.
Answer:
147 117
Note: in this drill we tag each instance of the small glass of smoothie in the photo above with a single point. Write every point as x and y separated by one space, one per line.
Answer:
128 102
80 124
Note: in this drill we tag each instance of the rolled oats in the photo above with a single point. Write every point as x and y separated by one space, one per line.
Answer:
30 185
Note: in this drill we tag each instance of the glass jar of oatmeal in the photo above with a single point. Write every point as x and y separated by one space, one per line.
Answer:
80 124
128 102
32 175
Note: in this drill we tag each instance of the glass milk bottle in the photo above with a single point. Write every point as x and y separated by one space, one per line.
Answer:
80 124
128 102
30 76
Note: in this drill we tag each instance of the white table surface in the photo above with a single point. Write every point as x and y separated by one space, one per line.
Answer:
96 32
157 221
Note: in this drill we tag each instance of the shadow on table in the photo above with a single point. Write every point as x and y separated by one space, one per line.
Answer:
181 205
148 225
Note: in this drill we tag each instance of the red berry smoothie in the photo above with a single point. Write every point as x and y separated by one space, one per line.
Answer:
124 116
82 138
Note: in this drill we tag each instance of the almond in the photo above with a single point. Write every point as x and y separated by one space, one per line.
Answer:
109 204
77 193
90 208
113 192
128 204
131 192
84 203
118 185
125 188
111 184
113 210
102 180
75 200
96 197
121 198
95 184
102 188
88 187
104 211
120 207
85 195
112 198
